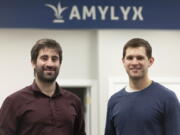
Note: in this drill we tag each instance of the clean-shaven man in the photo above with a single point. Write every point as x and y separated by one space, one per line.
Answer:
144 107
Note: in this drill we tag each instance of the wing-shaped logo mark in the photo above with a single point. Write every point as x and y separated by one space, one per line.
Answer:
57 12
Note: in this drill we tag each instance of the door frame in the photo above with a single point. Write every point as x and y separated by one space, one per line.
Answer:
91 101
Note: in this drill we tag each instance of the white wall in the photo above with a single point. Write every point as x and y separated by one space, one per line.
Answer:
88 54
165 46
79 58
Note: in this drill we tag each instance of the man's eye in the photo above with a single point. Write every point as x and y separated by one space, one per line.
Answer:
44 58
54 58
140 58
129 58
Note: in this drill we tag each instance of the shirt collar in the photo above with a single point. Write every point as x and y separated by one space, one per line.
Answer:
36 89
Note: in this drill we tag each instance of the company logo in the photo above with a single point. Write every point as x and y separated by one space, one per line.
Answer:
57 12
97 13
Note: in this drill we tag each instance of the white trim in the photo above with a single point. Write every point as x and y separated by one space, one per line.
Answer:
92 101
115 83
124 80
77 83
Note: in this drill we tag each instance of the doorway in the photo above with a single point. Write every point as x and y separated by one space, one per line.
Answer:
84 94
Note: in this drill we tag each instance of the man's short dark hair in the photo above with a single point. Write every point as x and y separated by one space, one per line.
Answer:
45 43
138 42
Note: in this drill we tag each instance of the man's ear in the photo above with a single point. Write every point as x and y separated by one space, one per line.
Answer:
33 64
122 60
151 61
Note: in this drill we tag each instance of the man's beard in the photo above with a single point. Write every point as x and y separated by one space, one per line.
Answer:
46 77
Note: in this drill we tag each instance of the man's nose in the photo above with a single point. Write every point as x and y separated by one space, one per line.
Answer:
49 62
134 61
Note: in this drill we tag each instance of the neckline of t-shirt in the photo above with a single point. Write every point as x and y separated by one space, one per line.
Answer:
140 91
